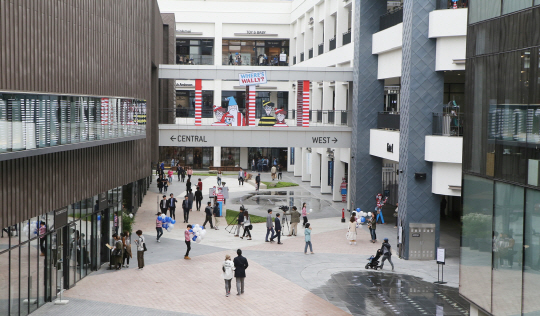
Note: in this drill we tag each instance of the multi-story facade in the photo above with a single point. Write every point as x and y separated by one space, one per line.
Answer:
501 197
78 114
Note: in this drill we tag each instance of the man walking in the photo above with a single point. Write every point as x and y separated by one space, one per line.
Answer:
171 203
240 221
208 211
241 177
163 205
188 242
216 216
240 264
278 231
269 226
387 253
295 219
159 228
198 199
279 175
186 206
258 181
273 172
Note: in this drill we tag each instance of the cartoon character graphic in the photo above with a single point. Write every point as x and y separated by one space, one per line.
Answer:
219 112
229 120
280 114
238 117
267 120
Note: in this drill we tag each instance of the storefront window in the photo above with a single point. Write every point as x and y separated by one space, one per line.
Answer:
195 52
251 52
185 103
230 156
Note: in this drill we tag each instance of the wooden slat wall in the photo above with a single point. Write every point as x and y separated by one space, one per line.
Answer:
79 47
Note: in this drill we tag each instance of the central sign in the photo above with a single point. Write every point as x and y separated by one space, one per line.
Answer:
252 78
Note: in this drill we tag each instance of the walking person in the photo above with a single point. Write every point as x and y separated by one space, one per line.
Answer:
171 203
165 184
186 206
208 211
304 214
42 239
269 226
189 173
216 214
126 242
117 253
188 186
396 215
140 249
387 253
279 175
240 222
307 234
278 231
219 175
372 225
247 225
258 181
178 170
198 199
159 227
170 173
228 268
295 219
253 165
188 241
240 265
160 184
241 177
351 233
273 172
183 174
199 184
163 205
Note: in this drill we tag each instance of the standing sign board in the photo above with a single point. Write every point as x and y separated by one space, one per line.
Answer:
252 78
440 255
283 57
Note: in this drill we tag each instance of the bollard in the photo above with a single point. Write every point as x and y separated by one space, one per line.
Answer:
343 215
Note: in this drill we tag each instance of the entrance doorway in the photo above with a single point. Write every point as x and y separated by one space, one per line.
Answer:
280 154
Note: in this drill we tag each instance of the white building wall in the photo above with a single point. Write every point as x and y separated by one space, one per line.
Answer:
445 175
389 64
378 142
448 51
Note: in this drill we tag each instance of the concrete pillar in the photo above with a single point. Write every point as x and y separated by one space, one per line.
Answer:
422 91
244 163
341 95
306 164
316 96
297 161
217 43
217 92
325 188
217 156
365 177
318 29
289 153
315 169
328 29
342 24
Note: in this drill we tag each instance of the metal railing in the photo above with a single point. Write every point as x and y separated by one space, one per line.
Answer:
316 117
195 60
321 48
347 37
449 4
391 18
310 53
388 120
301 57
445 124
332 43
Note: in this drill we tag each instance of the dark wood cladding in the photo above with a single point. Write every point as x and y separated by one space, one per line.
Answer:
80 47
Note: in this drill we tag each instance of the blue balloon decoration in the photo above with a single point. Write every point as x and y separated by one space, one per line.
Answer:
194 238
202 227
357 210
173 221
191 231
99 217
168 219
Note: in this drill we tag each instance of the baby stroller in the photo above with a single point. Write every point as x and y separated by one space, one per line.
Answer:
374 260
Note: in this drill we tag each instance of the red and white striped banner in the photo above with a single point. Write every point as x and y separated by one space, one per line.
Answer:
198 102
305 104
251 105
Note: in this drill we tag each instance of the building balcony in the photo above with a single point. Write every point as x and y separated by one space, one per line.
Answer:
391 18
444 124
310 53
388 120
332 43
347 37
321 48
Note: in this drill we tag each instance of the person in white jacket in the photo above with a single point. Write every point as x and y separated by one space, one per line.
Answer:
228 268
351 233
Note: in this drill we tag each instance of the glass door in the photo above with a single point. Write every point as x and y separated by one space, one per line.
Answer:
71 256
51 265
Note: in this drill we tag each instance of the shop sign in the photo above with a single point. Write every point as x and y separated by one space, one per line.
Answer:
273 43
181 84
252 78
255 32
61 217
102 201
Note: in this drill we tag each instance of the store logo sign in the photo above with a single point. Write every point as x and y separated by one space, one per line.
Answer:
252 78
256 32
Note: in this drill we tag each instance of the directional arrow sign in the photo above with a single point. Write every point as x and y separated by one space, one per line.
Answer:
334 140
173 138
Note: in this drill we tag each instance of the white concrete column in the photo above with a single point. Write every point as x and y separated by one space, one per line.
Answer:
315 169
297 161
325 188
218 52
289 166
306 165
339 173
217 156
341 95
217 92
244 163
316 96
342 24
318 29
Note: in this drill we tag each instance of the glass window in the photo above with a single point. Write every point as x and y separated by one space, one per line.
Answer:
230 156
515 5
476 240
480 10
507 249
531 254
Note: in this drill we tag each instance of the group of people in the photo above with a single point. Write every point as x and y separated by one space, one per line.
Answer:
263 164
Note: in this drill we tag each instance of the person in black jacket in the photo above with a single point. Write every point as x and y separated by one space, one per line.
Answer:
257 180
277 224
241 264
160 183
387 253
186 206
188 186
163 205
198 199
240 222
171 204
208 211
216 215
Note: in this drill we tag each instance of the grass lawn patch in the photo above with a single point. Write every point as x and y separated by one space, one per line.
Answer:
231 217
279 184
212 174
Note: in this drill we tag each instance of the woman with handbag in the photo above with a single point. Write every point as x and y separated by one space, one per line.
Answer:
247 226
141 248
228 268
127 249
117 253
351 233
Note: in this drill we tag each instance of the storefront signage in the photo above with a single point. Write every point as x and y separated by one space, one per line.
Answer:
61 217
252 78
188 32
103 203
256 32
183 84
189 139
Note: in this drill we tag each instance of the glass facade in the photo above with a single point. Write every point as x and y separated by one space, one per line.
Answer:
185 103
42 255
194 157
195 51
254 52
500 247
30 121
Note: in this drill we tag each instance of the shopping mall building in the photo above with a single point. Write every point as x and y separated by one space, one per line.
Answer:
78 115
387 90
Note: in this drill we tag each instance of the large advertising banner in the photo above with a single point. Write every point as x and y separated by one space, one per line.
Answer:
252 78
